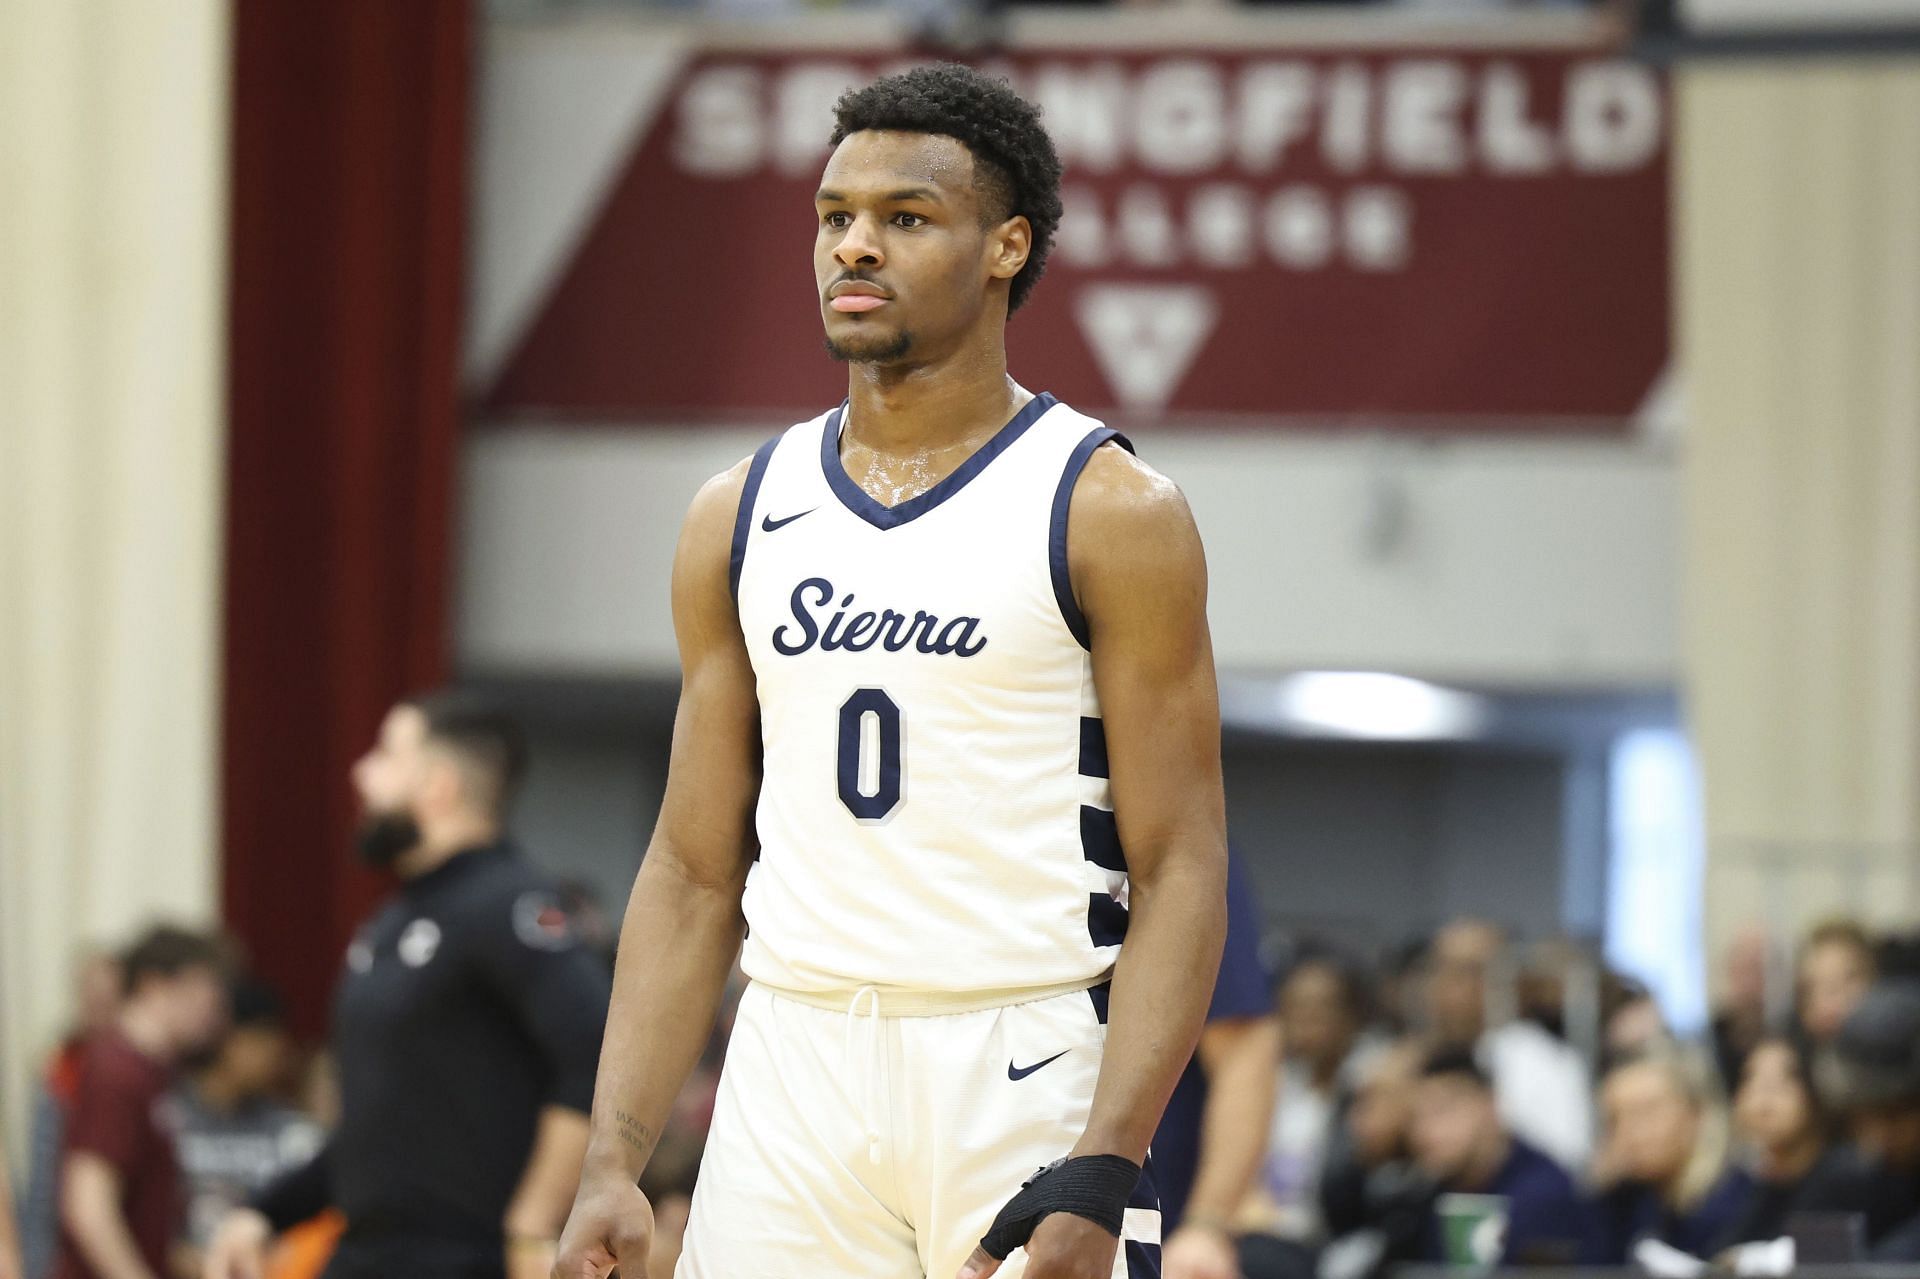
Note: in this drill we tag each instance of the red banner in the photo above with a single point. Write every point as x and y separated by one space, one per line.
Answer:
1433 238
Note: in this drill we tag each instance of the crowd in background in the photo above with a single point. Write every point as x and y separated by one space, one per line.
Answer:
1456 1070
1462 1065
178 1092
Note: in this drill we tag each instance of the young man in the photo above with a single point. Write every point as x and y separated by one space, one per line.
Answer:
466 1028
235 1135
1461 1143
120 1189
950 638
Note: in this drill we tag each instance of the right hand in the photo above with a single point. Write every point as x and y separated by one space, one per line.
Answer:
239 1247
611 1226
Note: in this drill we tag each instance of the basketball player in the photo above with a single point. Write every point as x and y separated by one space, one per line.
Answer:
945 655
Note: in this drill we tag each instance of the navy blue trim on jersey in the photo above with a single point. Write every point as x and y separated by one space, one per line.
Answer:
1143 1259
1057 529
1093 747
1100 839
1106 920
1101 997
743 518
861 503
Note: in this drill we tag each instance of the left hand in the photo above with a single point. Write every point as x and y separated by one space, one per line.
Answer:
1199 1252
1063 1247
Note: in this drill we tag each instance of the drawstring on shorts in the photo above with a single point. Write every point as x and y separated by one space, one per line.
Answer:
875 1064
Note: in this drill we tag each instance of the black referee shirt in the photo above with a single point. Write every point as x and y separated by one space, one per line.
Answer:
466 1006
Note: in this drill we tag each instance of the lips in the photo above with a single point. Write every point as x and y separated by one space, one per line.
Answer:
853 296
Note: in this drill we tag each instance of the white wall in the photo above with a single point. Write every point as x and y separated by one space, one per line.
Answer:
113 199
1500 562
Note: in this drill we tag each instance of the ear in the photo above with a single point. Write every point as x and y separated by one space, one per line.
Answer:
1008 246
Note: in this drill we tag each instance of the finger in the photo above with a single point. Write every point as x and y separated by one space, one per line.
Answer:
595 1263
630 1259
979 1265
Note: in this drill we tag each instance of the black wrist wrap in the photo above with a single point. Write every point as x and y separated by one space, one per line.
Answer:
1093 1186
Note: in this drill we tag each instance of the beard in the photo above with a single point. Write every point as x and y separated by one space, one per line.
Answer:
384 838
871 349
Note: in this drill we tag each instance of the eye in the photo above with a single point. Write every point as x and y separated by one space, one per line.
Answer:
908 221
839 221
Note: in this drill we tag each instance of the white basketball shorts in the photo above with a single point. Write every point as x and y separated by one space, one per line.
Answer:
864 1145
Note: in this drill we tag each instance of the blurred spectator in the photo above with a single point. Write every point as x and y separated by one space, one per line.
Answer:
1322 1012
1796 1162
1400 991
1835 968
235 1135
1374 1200
1740 1022
1635 1025
97 1003
1460 1143
467 1028
1870 1075
1665 1159
121 1193
1543 1086
1213 1134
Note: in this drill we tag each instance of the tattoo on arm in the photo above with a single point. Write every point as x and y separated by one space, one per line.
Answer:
633 1132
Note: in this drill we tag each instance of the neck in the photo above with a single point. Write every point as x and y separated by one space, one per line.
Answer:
445 839
141 1023
945 402
1485 1165
1791 1162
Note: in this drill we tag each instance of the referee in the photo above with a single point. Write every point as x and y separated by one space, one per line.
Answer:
466 1028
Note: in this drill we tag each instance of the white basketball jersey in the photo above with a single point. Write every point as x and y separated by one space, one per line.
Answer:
935 814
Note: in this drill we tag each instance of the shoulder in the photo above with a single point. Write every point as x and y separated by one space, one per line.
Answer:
717 502
1524 1046
1131 537
514 902
1537 1170
1118 490
108 1060
1731 1192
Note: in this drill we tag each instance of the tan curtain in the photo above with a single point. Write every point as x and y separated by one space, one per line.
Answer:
113 137
1798 189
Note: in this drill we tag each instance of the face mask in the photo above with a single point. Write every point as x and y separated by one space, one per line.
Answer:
387 837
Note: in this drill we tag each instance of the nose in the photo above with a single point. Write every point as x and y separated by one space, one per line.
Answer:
860 247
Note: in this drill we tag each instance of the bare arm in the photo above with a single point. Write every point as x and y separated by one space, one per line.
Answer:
683 924
90 1210
539 1205
1241 1056
1139 576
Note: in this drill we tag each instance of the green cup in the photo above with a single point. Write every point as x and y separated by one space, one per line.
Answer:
1473 1230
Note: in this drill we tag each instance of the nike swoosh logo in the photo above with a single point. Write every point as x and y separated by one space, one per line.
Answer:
1021 1072
769 524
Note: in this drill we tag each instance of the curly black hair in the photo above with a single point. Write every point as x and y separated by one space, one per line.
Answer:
1017 169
